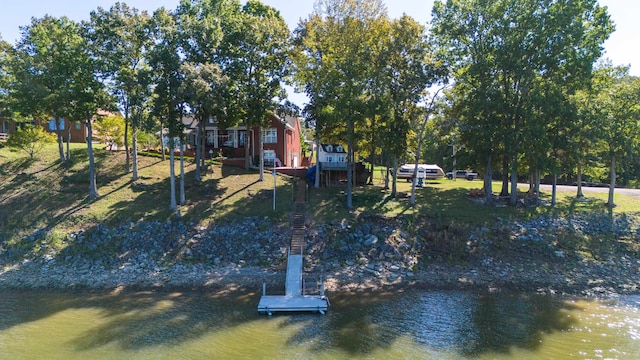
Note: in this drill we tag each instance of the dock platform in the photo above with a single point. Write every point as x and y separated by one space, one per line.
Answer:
295 299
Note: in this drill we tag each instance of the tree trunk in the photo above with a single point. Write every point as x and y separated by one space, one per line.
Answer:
394 181
183 199
127 166
612 182
317 179
554 189
350 151
505 177
172 178
60 142
247 151
579 195
514 182
134 152
488 182
162 148
414 180
69 141
538 186
93 188
261 152
198 178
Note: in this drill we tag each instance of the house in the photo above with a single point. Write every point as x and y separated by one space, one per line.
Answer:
7 126
281 141
76 131
332 157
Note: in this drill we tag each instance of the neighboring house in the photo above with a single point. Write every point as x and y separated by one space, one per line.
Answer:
78 131
7 126
332 157
75 130
281 141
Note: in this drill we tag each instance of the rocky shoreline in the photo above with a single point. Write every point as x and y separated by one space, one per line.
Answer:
372 253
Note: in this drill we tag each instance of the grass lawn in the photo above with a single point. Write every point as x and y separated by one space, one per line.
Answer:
45 193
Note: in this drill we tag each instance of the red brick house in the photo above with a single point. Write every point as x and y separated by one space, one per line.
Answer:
281 141
77 131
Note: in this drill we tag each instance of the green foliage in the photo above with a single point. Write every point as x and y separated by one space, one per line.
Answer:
110 130
30 139
515 64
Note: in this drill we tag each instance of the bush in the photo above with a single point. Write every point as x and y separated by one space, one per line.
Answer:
30 139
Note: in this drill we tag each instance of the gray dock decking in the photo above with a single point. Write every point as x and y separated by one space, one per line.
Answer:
294 299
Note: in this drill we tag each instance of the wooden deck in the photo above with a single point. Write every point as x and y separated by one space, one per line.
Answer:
294 299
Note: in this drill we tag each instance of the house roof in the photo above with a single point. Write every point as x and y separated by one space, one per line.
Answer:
333 148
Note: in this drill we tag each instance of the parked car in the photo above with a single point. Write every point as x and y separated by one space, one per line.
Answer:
426 171
462 174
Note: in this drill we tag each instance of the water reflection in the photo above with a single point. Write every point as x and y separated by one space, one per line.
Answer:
399 324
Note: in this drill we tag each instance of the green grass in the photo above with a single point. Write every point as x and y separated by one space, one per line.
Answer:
47 194
52 195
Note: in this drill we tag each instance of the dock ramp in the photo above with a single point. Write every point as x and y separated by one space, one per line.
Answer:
295 298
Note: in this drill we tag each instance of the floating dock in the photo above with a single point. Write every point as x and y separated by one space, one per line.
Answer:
295 299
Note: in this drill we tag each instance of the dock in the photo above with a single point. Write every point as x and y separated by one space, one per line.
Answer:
295 298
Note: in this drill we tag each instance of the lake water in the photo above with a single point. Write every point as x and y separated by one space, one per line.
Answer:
416 324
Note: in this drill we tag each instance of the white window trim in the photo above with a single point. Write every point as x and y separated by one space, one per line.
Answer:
270 136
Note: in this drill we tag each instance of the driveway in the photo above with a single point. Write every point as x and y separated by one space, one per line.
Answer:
591 189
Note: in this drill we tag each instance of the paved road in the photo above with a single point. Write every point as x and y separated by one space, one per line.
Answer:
589 189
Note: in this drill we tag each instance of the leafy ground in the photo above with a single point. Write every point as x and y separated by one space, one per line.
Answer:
51 195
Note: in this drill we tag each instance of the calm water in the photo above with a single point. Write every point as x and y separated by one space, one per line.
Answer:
411 325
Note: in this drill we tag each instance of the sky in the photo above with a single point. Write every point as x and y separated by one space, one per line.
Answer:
621 47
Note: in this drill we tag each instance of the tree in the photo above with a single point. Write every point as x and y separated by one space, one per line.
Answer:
30 139
121 39
48 56
5 73
259 53
612 105
501 50
169 103
333 66
110 130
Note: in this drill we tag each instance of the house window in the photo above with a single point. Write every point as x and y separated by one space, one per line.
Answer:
78 125
242 138
53 126
211 135
231 139
270 136
269 157
5 126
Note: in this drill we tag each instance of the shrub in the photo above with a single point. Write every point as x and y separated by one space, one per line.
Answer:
30 139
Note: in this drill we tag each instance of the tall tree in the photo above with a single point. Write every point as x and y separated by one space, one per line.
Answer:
333 65
90 99
48 57
166 62
613 106
259 56
206 89
5 73
502 48
121 39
